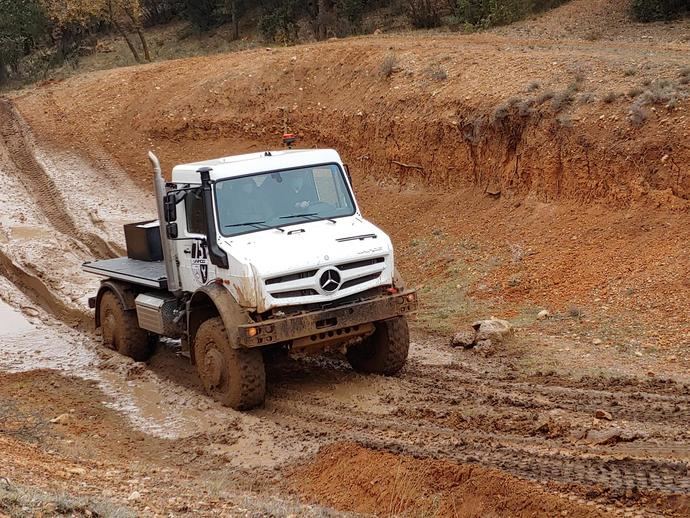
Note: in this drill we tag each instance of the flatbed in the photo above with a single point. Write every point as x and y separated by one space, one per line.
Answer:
150 274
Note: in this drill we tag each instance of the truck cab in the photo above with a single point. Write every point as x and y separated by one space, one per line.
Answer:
257 251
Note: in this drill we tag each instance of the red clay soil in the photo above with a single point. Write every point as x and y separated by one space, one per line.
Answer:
348 477
537 201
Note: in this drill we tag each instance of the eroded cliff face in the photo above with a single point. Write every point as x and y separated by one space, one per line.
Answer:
554 124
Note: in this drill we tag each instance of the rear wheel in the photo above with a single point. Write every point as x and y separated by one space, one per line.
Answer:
121 331
385 351
234 377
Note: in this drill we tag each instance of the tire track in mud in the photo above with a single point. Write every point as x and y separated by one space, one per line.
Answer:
40 185
39 293
423 402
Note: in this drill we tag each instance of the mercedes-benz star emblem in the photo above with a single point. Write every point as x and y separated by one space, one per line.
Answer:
329 280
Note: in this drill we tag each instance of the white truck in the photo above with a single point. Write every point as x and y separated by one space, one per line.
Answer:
257 251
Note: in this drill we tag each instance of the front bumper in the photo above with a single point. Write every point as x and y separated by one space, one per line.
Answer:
337 323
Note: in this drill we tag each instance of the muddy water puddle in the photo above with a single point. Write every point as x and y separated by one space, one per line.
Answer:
29 233
29 344
12 322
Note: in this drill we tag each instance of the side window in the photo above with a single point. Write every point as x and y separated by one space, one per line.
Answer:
194 209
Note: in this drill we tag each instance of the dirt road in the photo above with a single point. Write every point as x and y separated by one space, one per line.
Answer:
583 414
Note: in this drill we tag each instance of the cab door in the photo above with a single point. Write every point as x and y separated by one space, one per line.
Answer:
192 248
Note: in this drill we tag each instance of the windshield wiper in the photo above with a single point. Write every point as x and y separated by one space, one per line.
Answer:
307 215
256 224
261 225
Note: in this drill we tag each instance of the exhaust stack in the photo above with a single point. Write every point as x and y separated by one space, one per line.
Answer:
169 252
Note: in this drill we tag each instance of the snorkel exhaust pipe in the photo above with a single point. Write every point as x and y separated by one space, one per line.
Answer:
169 252
216 254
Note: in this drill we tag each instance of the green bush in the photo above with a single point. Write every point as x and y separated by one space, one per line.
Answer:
279 22
489 13
651 10
21 25
201 13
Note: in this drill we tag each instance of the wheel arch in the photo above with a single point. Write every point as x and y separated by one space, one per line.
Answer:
212 301
123 291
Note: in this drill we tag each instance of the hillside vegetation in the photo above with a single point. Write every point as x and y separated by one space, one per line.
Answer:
38 35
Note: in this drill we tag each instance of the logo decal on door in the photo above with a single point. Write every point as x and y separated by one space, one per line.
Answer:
200 262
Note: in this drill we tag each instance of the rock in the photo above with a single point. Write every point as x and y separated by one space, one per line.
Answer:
611 436
133 496
30 311
377 32
603 414
495 330
95 218
596 341
76 471
543 314
61 419
463 339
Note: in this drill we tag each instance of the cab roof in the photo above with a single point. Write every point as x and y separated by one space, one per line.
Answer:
252 163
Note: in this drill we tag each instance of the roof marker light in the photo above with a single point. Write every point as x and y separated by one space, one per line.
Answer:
289 139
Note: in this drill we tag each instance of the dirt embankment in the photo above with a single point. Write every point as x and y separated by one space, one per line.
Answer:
349 477
514 117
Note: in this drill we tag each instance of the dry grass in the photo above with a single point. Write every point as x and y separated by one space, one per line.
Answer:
638 116
610 97
437 72
388 66
19 501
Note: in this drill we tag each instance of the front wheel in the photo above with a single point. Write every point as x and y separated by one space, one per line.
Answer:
385 351
234 377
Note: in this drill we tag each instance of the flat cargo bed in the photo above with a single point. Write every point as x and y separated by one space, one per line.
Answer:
144 273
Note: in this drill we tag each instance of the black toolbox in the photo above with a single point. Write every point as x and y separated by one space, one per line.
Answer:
143 241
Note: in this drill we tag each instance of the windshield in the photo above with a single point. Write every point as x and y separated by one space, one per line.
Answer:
277 199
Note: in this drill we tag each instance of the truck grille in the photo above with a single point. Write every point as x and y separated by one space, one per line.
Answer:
306 283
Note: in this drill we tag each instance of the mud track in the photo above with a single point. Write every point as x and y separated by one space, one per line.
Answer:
475 412
40 185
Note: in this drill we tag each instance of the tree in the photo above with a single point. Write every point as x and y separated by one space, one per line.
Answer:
21 24
650 10
79 16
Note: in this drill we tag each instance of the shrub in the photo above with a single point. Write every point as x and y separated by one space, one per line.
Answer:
610 97
280 22
638 116
201 13
545 96
437 72
21 25
651 10
488 13
424 14
390 63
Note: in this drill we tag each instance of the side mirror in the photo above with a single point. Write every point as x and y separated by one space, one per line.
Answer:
170 207
171 230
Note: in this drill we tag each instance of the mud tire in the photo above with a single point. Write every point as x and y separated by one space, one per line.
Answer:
234 377
121 331
385 351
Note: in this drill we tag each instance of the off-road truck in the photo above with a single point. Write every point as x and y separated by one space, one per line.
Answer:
257 251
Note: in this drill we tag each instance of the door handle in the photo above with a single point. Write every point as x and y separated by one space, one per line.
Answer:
187 251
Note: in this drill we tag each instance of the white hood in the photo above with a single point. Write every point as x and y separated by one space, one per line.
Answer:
358 254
